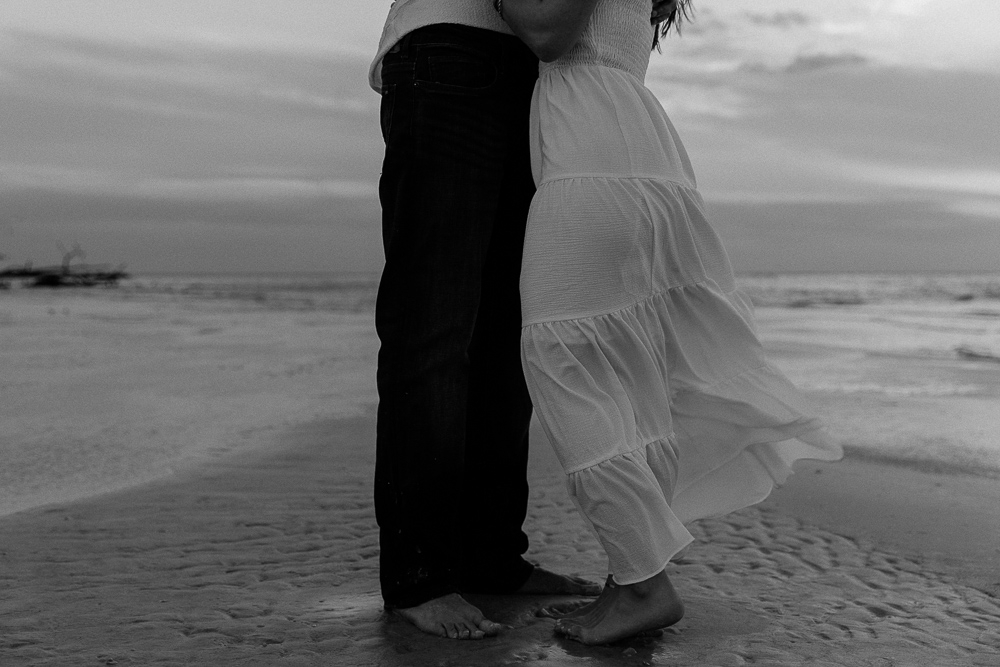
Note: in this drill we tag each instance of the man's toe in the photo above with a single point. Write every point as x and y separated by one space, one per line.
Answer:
489 628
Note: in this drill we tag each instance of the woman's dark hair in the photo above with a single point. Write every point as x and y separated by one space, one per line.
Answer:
680 13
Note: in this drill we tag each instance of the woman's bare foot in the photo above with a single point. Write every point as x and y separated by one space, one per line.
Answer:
449 616
579 608
626 611
545 582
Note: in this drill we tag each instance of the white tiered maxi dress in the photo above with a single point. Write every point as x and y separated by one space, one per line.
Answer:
639 352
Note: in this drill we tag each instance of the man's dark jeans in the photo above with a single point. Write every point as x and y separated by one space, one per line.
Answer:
452 445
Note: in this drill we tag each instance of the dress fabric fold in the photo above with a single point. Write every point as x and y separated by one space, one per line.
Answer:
639 351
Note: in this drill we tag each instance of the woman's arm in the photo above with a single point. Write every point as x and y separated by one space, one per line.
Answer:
549 27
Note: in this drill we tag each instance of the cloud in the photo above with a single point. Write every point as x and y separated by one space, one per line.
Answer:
865 236
836 117
776 32
46 65
701 24
949 180
240 134
152 111
197 226
862 167
239 189
981 207
821 61
783 20
343 242
234 203
209 188
161 140
299 26
698 99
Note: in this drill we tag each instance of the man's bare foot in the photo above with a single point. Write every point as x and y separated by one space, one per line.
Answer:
544 582
449 616
626 611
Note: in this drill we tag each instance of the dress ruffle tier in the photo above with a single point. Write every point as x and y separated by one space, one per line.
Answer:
661 427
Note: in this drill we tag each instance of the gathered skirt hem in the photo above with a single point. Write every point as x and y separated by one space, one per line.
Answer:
663 413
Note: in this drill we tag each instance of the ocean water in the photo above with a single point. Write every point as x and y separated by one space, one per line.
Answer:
940 316
303 292
944 316
931 316
904 367
99 387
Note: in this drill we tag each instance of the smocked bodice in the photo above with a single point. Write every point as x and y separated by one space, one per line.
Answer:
592 114
619 35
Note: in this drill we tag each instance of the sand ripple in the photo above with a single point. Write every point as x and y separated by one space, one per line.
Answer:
273 561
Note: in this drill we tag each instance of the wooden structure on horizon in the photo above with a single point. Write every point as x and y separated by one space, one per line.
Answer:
62 276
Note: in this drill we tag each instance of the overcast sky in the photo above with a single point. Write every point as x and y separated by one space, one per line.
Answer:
241 135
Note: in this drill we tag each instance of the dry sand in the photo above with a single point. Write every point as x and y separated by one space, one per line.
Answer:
271 559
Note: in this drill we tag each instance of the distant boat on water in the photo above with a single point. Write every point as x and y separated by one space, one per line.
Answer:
83 276
58 276
64 275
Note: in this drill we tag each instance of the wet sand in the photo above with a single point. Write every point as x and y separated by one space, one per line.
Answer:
270 558
194 486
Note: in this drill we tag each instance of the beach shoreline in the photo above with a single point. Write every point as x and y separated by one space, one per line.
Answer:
270 557
107 388
188 472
